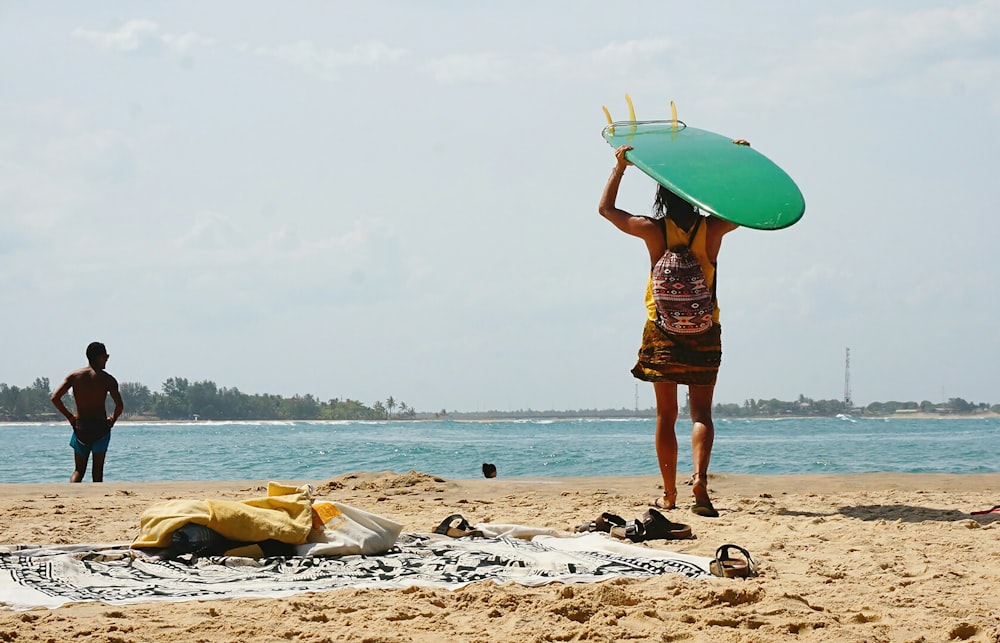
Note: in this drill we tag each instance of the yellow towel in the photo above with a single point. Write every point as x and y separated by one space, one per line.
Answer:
284 515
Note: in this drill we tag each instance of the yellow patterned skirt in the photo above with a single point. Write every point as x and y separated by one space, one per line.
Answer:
684 359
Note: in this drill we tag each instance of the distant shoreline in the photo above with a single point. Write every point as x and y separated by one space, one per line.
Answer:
934 416
916 415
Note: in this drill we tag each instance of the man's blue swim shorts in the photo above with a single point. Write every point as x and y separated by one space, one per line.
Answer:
84 450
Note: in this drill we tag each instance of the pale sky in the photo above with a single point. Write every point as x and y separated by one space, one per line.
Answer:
365 199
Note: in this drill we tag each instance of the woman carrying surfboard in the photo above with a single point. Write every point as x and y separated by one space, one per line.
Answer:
677 348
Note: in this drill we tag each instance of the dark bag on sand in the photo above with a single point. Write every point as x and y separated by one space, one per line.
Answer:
90 431
684 300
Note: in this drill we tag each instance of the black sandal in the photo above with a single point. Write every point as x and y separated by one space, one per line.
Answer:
456 526
652 526
603 523
634 530
658 527
728 567
704 509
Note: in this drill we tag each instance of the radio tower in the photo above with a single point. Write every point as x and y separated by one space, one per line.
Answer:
848 402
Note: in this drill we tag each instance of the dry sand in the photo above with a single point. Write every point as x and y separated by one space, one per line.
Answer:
873 557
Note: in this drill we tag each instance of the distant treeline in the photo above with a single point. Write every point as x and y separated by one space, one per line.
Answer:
805 406
179 399
802 407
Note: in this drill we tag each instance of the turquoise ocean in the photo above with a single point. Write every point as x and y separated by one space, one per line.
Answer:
143 452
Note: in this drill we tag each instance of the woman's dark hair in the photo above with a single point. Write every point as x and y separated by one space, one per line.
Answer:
668 204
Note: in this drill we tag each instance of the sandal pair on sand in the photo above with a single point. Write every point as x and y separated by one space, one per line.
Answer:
704 509
655 526
652 526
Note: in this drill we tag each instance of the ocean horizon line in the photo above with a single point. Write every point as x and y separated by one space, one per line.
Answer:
514 417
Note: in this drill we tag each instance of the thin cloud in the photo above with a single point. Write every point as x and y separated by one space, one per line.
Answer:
210 230
327 63
952 49
90 152
633 52
469 68
215 232
54 161
228 260
131 36
884 45
139 34
495 67
186 43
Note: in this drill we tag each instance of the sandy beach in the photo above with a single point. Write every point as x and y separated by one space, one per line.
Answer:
870 557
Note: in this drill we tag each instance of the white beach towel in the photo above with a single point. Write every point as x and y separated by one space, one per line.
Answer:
32 576
348 530
499 530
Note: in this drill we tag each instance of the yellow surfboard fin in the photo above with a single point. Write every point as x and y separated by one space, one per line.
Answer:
607 115
631 115
673 114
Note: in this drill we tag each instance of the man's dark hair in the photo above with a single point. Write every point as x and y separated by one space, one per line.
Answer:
95 351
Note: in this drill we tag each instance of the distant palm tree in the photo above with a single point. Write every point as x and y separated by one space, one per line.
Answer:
390 404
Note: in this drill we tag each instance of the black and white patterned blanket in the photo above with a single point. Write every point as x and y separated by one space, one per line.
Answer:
33 576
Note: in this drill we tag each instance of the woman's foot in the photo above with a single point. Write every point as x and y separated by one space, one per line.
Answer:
702 503
666 502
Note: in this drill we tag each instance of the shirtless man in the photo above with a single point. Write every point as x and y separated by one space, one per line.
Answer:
91 426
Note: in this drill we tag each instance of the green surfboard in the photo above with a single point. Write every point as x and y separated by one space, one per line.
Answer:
733 182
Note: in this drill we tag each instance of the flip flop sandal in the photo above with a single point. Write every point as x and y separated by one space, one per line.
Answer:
603 523
656 526
726 566
994 510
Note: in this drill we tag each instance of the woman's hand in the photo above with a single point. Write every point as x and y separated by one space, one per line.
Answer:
620 157
741 141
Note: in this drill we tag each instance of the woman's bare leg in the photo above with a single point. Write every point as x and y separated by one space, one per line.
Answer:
666 440
702 438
